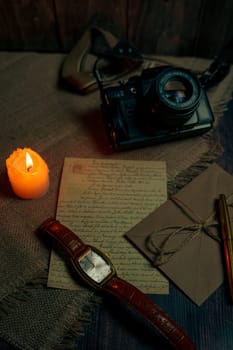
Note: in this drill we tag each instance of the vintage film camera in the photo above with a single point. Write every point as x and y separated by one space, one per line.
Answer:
160 105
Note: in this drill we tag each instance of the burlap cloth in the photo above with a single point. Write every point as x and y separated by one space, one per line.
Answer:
37 113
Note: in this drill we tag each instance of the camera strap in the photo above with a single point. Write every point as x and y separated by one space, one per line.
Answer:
215 73
119 57
219 68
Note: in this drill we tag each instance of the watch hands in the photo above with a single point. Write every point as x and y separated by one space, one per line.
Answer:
91 263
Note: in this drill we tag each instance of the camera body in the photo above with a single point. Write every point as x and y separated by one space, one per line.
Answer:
160 105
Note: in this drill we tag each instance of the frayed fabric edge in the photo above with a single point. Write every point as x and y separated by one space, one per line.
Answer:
74 326
186 176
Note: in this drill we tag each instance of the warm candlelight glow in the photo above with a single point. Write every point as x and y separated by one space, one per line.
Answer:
29 161
28 173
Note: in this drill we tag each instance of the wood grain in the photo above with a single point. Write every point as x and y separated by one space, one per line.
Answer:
27 25
172 27
75 16
164 27
215 28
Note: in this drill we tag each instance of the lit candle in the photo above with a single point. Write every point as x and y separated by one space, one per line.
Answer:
28 173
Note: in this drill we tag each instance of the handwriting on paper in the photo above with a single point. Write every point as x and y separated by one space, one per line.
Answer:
102 199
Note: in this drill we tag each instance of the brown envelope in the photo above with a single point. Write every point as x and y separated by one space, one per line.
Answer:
193 258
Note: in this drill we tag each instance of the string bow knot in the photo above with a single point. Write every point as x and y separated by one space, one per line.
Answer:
162 253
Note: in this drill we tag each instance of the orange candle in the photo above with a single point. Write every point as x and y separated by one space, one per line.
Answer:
28 173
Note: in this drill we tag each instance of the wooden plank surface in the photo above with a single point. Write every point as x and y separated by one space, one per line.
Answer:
173 27
165 27
74 16
27 25
216 27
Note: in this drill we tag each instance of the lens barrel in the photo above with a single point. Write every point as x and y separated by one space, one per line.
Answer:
174 96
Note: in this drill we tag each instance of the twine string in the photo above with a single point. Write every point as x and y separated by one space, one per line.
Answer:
162 254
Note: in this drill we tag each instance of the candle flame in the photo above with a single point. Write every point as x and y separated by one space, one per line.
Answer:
29 161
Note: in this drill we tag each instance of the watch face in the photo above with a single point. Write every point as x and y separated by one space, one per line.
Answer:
95 266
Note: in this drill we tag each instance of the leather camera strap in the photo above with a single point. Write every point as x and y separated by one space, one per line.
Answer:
95 43
219 68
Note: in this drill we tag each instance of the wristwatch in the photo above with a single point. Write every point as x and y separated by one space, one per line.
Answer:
96 269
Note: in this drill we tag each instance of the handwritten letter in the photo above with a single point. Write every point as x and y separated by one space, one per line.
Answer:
102 199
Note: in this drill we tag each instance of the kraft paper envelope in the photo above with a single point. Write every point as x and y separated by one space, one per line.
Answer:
182 236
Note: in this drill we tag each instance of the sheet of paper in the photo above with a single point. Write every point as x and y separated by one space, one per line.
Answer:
100 200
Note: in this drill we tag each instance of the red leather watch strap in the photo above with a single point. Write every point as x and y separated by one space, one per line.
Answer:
73 245
139 302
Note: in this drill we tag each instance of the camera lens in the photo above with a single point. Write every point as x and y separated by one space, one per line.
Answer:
176 91
174 96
